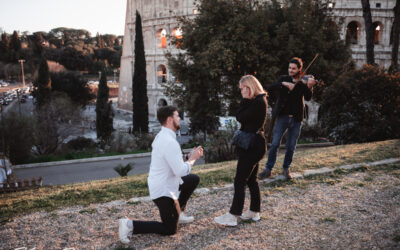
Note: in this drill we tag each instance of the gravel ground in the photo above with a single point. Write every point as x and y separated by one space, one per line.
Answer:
360 210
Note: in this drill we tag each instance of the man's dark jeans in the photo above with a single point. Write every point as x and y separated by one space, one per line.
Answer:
284 123
169 210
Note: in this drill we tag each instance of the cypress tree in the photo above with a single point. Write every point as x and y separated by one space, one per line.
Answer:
104 112
42 84
139 83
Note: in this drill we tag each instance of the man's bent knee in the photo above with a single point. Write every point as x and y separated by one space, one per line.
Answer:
170 231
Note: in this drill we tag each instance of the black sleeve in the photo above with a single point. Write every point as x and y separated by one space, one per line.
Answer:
275 85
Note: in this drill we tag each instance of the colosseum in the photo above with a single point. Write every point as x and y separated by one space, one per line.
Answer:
159 22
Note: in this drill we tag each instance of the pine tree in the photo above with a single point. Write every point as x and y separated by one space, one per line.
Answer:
42 84
15 43
100 41
15 47
4 47
104 112
139 83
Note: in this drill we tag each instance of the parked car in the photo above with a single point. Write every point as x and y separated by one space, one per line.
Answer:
225 121
5 169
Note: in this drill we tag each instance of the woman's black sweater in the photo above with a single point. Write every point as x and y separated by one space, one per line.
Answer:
252 113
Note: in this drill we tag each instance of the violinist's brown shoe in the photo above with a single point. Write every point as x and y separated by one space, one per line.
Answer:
287 174
266 173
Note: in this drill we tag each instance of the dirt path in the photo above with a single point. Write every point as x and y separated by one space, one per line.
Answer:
353 211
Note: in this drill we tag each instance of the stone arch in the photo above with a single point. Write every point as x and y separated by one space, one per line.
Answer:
353 32
378 31
162 38
161 73
162 103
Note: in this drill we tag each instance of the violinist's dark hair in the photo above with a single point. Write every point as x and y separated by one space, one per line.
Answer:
297 61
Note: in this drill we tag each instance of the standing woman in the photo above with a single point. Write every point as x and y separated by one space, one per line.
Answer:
252 116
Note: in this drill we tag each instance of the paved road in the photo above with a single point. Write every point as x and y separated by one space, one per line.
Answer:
82 172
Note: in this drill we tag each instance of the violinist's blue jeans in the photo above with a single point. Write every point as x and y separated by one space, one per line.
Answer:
284 123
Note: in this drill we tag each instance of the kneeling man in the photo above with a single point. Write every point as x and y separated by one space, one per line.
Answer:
169 181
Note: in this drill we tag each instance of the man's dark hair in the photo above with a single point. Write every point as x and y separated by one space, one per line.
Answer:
164 112
297 61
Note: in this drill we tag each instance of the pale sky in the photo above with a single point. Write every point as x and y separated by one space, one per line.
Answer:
103 16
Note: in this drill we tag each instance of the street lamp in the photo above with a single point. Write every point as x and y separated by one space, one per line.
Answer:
22 69
115 71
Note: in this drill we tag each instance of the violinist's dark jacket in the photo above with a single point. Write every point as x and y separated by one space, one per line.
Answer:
289 102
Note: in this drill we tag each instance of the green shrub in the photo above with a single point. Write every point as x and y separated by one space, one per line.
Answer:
143 141
123 171
362 105
312 133
121 142
219 147
81 143
17 133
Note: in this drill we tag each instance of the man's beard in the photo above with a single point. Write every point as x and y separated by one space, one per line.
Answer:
292 74
177 126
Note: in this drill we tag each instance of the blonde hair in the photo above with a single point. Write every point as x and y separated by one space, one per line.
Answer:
253 84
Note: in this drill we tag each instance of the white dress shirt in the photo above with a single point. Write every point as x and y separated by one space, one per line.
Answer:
167 166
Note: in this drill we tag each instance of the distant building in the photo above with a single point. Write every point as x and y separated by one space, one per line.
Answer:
159 23
348 13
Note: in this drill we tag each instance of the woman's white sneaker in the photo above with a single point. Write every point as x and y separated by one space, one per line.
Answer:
227 219
250 215
124 230
183 218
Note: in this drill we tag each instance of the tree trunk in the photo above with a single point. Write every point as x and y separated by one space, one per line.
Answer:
395 38
369 31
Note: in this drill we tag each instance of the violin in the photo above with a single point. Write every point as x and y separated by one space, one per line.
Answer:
303 77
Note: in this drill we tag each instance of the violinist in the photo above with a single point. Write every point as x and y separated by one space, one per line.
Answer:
288 111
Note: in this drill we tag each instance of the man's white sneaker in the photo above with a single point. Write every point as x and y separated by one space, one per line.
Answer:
227 219
124 230
250 215
183 218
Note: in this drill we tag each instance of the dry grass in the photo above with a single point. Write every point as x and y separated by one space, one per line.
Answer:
53 197
321 212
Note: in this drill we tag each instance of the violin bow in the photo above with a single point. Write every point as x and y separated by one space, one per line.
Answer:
312 61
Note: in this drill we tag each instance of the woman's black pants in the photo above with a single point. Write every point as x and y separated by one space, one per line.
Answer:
246 174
